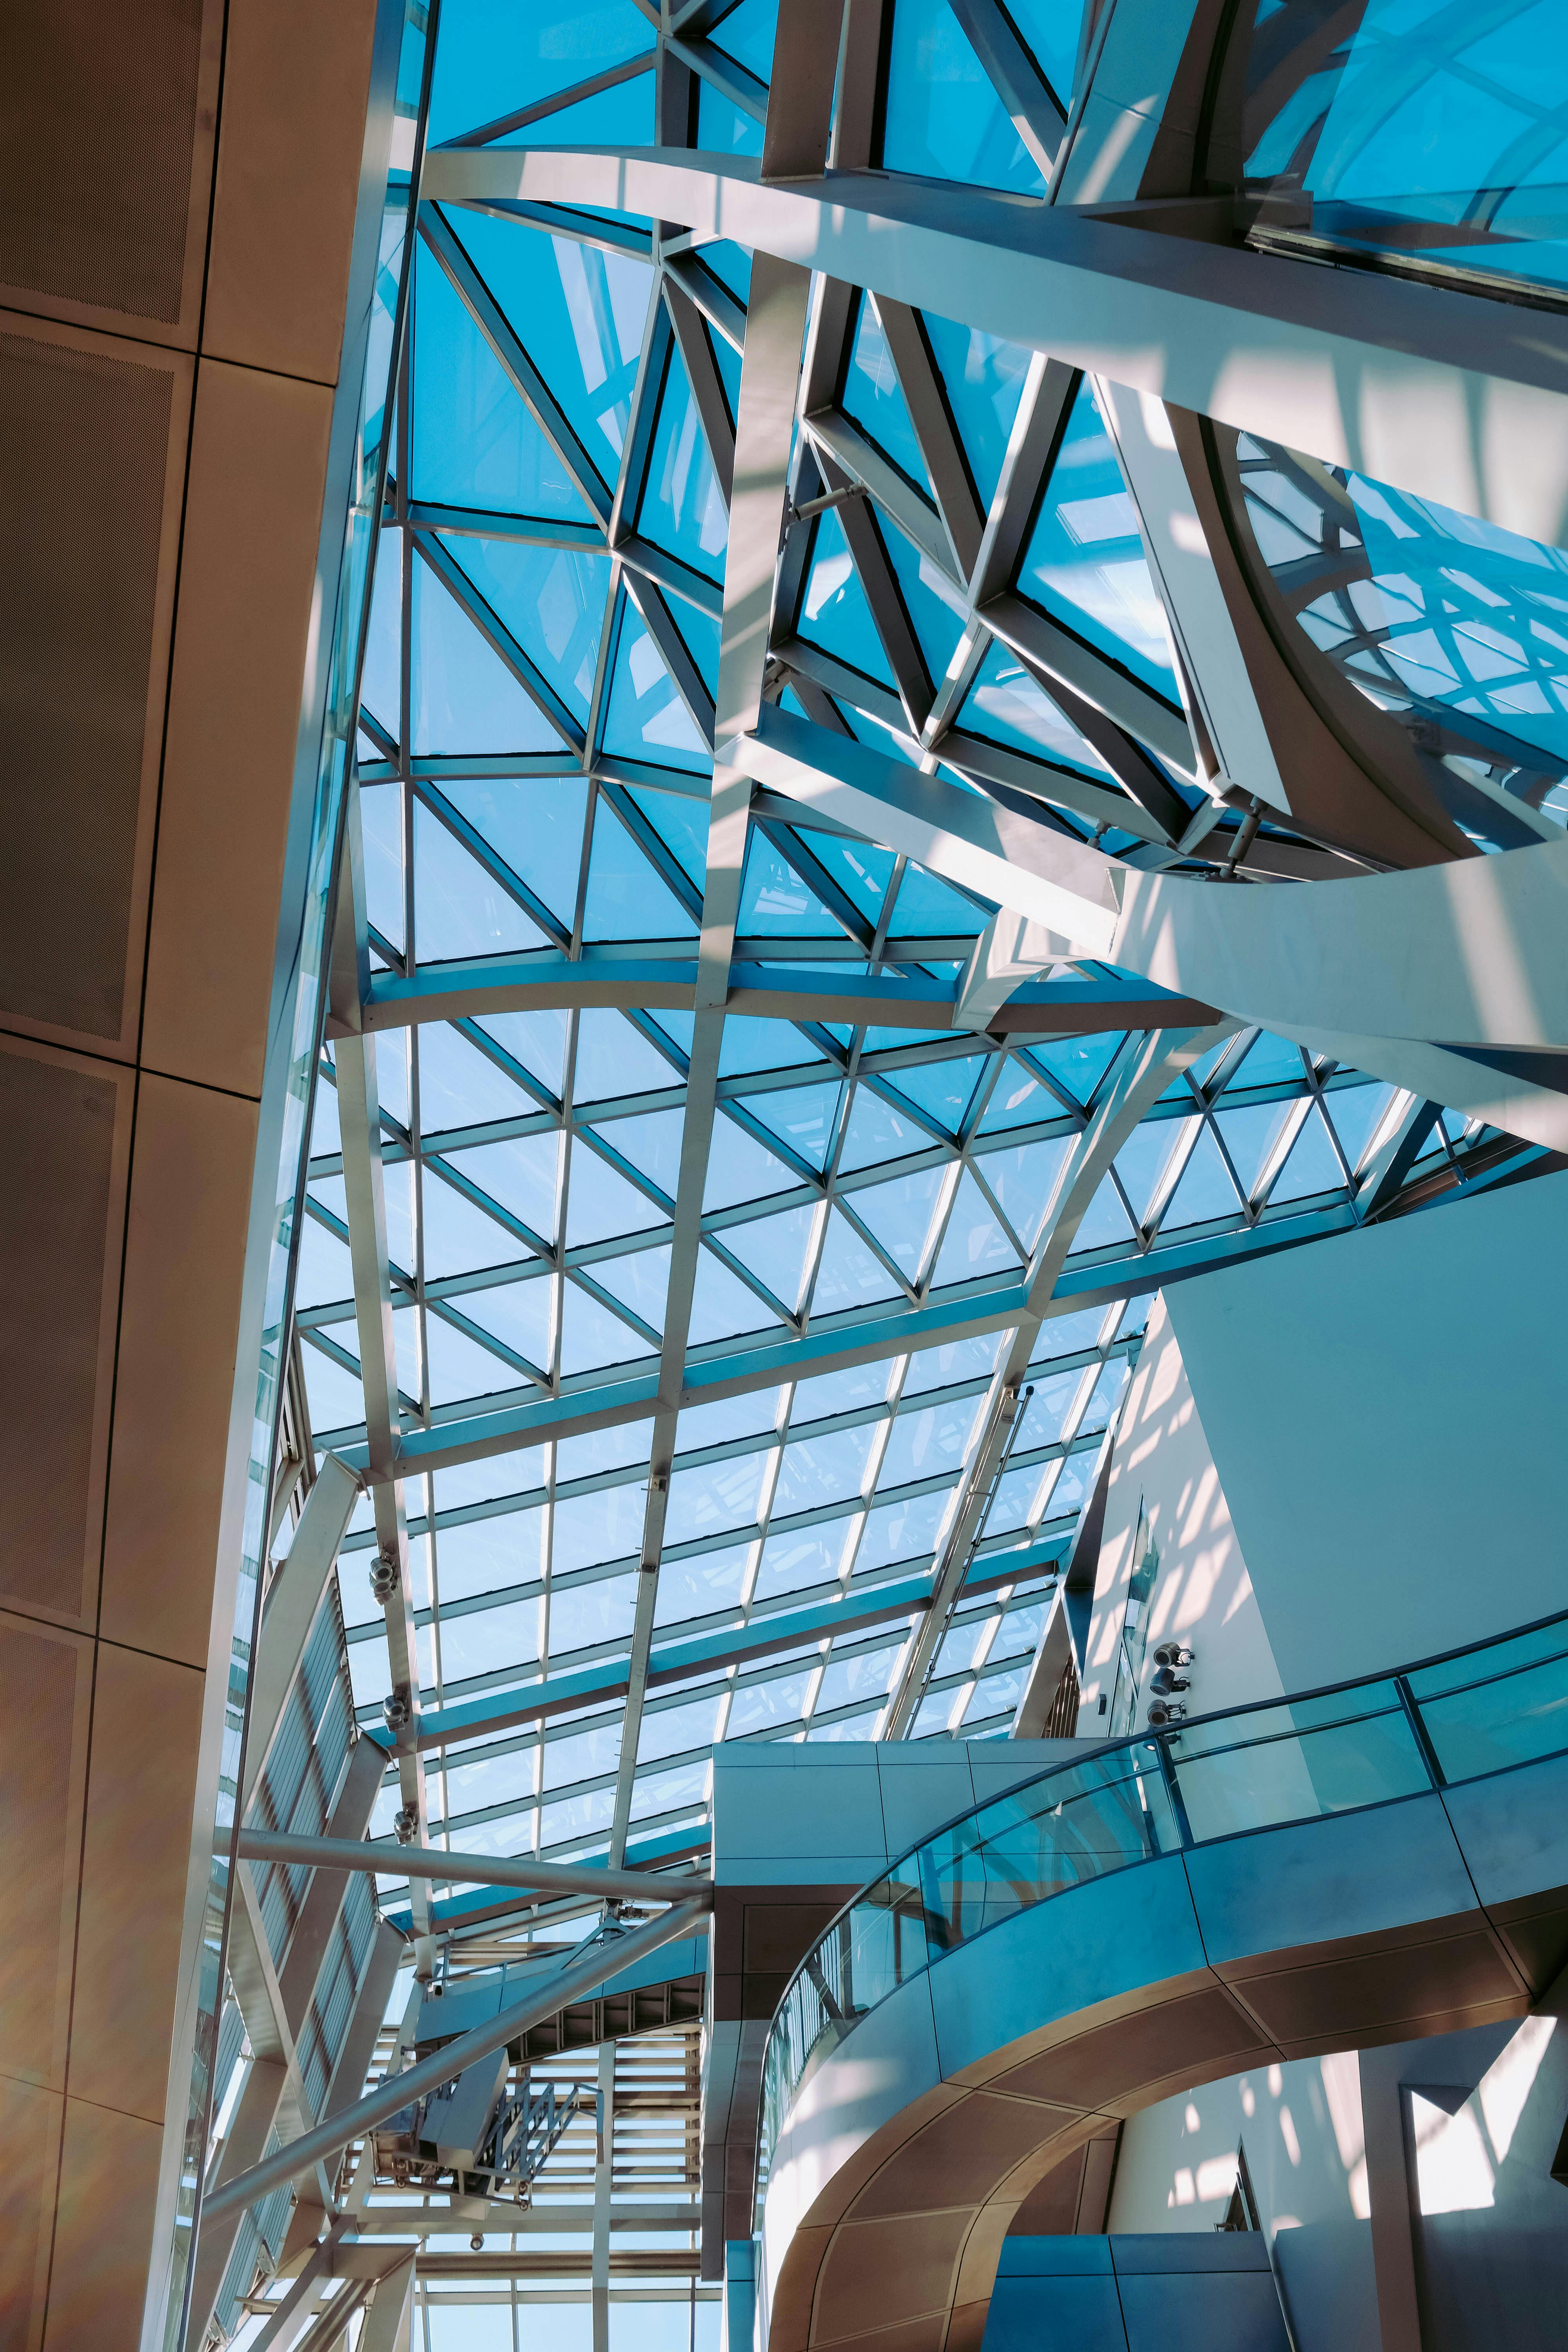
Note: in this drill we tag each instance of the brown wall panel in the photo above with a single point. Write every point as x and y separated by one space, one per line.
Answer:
47 1678
92 439
106 133
296 85
108 2186
142 1776
258 457
29 2163
190 1190
64 1147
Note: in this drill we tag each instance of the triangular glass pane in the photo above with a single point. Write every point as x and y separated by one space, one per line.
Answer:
641 1281
802 1117
774 1249
535 1039
701 638
682 507
752 1045
380 681
929 909
463 696
974 1243
862 870
475 441
461 1086
943 1090
614 1058
935 607
1250 1135
1008 706
876 1133
536 825
552 600
326 1268
621 116
741 1169
1051 28
681 823
984 380
626 898
873 397
459 1237
1144 1159
869 727
579 312
722 128
457 1367
722 1306
650 1144
647 718
492 60
1019 1100
335 1396
773 898
849 1274
600 1203
1085 561
1269 1061
835 612
1313 1165
900 1214
1079 1064
746 34
521 1175
592 1337
381 823
1357 1112
459 909
1206 1190
519 1313
1104 1220
1023 1179
944 119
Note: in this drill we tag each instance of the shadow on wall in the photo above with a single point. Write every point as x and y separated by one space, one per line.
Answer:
1165 1497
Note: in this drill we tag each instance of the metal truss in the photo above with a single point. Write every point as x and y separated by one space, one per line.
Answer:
736 1190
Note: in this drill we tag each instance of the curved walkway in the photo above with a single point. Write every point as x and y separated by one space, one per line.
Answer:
1370 1864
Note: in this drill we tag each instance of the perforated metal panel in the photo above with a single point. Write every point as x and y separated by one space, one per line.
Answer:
97 126
84 442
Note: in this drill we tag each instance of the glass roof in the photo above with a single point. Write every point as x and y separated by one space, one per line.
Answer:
868 1187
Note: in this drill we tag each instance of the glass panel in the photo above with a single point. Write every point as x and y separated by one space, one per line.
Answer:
1298 1762
944 118
1410 129
1085 561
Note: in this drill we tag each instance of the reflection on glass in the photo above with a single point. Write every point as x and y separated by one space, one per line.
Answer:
1454 628
1411 129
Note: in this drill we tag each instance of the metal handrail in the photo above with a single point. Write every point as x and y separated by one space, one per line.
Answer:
1404 1704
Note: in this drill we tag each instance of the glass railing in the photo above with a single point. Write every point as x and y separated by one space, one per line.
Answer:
1458 1717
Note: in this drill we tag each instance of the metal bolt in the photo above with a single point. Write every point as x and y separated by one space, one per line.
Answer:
406 1824
384 1576
397 1708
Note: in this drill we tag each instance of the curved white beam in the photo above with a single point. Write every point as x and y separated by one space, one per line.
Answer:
1450 397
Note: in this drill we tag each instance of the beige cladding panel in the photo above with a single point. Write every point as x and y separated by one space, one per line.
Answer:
135 1861
104 2235
185 1236
29 2160
253 522
296 82
93 438
65 1128
47 1679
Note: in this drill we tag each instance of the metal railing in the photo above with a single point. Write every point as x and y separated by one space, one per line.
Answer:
1459 1716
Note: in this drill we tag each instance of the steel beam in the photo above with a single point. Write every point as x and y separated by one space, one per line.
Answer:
289 1610
331 2136
469 1869
1450 397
